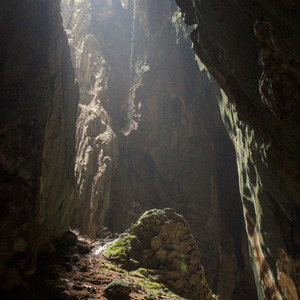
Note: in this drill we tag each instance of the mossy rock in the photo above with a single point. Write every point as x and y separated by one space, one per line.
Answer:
150 297
153 288
161 241
117 289
118 251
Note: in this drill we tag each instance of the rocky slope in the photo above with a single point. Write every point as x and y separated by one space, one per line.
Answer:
38 109
252 50
81 268
153 137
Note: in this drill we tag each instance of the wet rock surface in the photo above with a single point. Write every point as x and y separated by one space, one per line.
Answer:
161 242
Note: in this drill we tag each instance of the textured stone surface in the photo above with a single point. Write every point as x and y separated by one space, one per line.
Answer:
171 145
166 145
162 234
38 109
96 152
117 289
257 65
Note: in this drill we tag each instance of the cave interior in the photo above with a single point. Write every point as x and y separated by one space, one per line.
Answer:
151 142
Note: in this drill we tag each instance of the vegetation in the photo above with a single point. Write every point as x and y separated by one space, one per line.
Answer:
119 248
149 284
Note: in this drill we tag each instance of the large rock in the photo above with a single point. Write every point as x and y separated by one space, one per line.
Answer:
257 65
96 148
161 241
117 289
38 99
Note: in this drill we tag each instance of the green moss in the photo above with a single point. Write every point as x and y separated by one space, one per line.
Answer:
149 285
156 288
141 273
116 283
149 212
142 276
112 267
146 213
119 248
117 289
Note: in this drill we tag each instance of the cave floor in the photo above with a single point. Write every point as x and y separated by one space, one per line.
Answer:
85 276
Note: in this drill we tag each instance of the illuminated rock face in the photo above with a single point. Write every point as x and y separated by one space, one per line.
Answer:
96 148
252 50
149 134
38 109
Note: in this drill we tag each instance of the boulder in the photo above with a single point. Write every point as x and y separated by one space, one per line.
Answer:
117 289
161 241
69 238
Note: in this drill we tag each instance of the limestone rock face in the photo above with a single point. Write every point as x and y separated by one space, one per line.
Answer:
257 65
150 136
38 99
96 151
161 241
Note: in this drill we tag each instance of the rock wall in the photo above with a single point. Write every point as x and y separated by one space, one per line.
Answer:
147 130
252 50
96 147
149 134
38 109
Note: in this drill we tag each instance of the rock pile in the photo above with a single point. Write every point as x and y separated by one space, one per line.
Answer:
161 242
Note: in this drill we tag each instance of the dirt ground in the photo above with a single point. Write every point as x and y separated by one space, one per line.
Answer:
74 275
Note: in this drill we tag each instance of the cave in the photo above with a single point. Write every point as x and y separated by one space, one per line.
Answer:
168 129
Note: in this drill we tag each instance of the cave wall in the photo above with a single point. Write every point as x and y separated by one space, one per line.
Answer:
96 144
38 99
147 130
150 136
252 50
